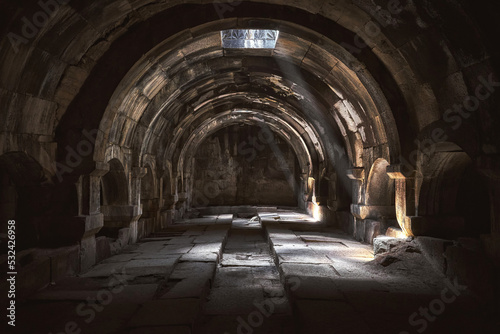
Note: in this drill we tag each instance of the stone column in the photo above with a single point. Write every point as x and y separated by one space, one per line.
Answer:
168 200
303 193
407 191
188 189
89 210
137 174
331 201
357 175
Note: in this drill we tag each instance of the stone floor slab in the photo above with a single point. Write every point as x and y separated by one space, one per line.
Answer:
193 287
247 260
190 269
144 267
237 300
180 241
105 269
233 277
321 288
305 257
176 249
318 316
307 270
138 293
350 293
165 312
213 247
120 258
199 257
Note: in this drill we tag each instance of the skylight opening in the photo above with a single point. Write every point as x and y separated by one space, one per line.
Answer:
249 38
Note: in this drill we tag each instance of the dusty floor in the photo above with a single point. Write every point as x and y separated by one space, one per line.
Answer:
276 273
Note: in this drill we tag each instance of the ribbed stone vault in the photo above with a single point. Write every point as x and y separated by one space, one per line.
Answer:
176 87
357 88
166 84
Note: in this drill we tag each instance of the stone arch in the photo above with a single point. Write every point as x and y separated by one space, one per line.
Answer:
276 126
114 185
473 203
25 198
453 198
228 161
132 99
115 199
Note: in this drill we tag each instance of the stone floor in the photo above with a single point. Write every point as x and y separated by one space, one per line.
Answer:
276 273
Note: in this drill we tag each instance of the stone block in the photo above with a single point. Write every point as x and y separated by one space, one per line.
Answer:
234 300
199 257
103 248
210 238
253 260
119 213
383 244
165 312
300 270
315 316
104 270
166 218
207 248
372 229
394 232
180 240
189 269
93 224
359 229
434 250
136 294
88 252
176 249
372 211
304 257
146 267
65 262
124 257
317 288
191 287
124 236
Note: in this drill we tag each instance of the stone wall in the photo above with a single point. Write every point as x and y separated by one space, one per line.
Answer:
235 167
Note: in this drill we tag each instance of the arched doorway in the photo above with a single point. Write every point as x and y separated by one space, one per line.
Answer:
114 199
25 198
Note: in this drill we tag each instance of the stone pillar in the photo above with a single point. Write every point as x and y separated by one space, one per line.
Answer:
188 189
407 192
137 174
303 193
89 210
332 192
168 200
357 175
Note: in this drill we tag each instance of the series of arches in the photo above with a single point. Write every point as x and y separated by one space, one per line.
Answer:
124 100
